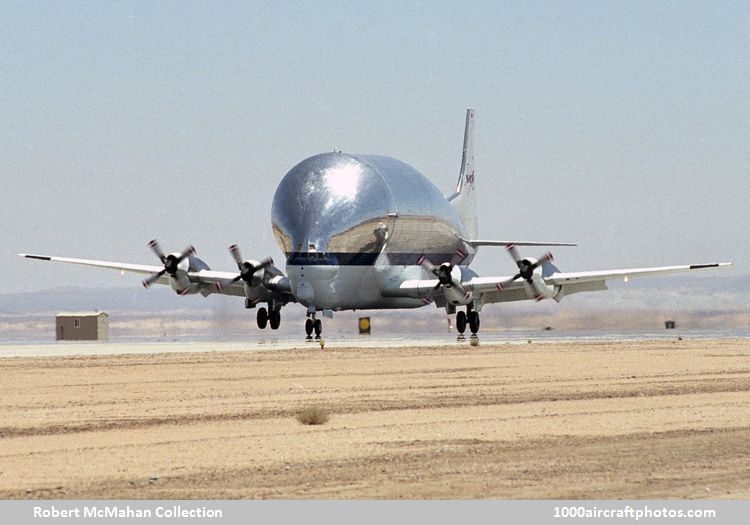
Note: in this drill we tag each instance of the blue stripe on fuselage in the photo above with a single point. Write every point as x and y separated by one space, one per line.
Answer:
363 259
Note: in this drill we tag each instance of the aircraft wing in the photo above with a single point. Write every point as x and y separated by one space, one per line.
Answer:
500 289
426 288
561 278
137 268
568 283
482 284
213 281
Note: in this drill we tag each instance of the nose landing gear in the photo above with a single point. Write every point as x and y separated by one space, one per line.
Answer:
313 325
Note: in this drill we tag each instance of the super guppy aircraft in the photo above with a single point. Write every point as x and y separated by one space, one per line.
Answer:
371 232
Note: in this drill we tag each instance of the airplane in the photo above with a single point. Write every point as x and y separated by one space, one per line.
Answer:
371 232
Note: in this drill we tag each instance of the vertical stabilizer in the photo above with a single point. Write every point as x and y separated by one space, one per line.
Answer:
465 200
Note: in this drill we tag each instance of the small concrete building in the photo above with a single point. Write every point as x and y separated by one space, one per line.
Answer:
82 326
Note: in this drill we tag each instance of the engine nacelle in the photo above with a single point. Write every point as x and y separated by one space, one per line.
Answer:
454 293
540 290
179 281
257 276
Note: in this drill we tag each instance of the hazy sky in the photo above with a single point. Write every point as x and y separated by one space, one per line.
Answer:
622 126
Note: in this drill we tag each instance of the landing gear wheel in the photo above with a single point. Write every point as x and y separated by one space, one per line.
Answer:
461 322
318 326
309 329
473 322
262 318
274 318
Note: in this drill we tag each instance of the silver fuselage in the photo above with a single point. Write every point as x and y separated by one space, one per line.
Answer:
351 225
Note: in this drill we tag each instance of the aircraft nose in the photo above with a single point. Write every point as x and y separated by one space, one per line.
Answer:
305 293
316 286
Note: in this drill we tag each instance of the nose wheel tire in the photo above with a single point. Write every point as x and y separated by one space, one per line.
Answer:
473 322
262 318
318 327
274 318
313 325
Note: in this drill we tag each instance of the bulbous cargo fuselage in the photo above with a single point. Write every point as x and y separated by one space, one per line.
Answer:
348 224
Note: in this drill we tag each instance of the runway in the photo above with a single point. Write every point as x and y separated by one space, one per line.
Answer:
555 419
191 345
255 342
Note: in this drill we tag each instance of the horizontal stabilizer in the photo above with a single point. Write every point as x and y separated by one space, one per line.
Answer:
480 242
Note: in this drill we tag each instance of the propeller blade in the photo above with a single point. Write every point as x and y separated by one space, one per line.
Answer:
186 253
538 294
427 299
235 251
459 256
501 286
151 279
514 253
154 245
546 257
425 263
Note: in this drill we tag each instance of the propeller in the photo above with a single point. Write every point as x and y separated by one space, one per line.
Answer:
454 292
247 269
442 272
170 262
526 271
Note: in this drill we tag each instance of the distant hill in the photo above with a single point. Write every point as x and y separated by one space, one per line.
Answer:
694 292
135 299
715 302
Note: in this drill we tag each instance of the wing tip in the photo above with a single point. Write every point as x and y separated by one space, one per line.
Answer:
711 265
37 257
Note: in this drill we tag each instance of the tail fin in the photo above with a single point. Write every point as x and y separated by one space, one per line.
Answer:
464 200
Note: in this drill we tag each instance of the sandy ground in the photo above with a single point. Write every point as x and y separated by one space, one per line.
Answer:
655 419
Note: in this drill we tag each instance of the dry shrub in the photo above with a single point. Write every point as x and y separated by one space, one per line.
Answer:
312 416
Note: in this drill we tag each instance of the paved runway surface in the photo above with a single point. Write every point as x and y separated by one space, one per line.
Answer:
615 419
71 348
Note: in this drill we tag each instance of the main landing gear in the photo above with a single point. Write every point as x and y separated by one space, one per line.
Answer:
312 324
470 317
265 317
